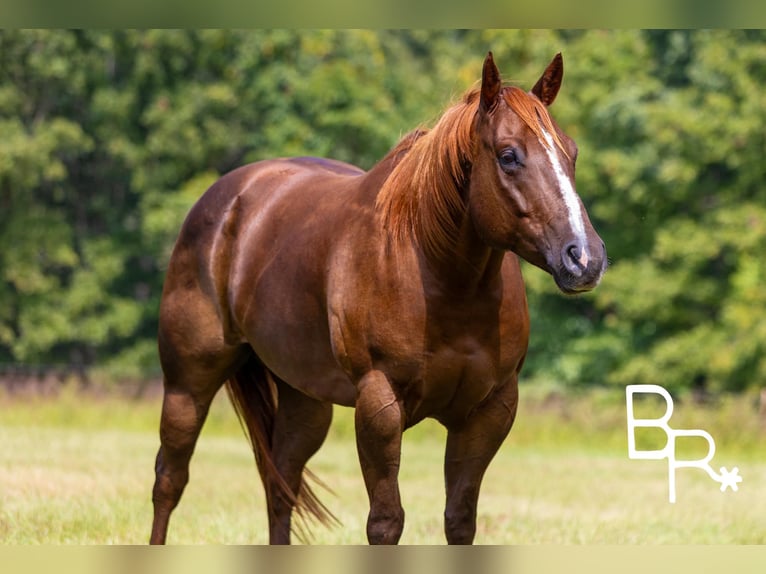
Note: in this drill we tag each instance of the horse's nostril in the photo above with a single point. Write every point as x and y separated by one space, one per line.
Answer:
574 258
575 252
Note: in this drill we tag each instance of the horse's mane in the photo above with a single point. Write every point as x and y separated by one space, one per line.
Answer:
421 198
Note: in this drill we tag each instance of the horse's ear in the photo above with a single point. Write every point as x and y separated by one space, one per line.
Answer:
490 84
549 83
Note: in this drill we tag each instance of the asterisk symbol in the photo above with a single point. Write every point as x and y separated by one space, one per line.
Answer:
729 478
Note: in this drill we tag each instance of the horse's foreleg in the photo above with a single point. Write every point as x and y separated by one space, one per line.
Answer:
470 448
300 428
379 425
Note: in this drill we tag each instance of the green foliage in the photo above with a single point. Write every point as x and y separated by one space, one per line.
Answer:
110 136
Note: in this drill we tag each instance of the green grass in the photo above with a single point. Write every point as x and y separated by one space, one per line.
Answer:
79 470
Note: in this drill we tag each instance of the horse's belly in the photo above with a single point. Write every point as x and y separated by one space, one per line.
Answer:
282 316
331 387
294 345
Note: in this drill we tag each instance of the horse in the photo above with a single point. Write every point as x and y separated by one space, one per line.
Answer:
302 283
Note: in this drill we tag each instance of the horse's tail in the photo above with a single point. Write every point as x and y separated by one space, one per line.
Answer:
254 395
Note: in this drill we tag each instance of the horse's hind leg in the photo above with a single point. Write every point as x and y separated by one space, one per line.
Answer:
191 380
182 417
300 428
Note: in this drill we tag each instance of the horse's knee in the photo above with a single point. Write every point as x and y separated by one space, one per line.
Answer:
385 528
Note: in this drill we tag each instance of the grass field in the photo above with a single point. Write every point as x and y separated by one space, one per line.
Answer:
79 470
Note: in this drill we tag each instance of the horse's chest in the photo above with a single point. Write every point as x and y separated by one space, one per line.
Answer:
466 369
445 357
455 376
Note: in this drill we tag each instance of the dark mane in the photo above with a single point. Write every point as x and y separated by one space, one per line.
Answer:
421 198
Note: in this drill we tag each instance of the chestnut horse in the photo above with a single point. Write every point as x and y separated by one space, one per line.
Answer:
302 283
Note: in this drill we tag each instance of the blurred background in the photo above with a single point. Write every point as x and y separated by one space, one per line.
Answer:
108 138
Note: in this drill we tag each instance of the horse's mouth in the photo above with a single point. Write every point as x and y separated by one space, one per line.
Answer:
571 284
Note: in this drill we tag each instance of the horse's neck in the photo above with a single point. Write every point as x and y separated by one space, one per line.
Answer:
470 266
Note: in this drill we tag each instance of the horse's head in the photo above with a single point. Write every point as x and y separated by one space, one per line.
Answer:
522 191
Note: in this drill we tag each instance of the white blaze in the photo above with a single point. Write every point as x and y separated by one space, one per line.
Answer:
571 200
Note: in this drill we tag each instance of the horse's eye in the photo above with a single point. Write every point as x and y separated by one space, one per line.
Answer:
510 159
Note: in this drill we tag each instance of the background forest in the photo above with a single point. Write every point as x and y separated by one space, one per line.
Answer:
108 137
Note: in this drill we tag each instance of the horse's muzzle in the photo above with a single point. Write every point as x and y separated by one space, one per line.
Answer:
580 268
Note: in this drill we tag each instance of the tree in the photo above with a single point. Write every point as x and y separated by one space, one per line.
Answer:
110 136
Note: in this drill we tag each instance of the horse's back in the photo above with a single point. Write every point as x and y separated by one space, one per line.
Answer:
293 186
263 178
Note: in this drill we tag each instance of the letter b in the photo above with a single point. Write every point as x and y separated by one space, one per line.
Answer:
661 423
